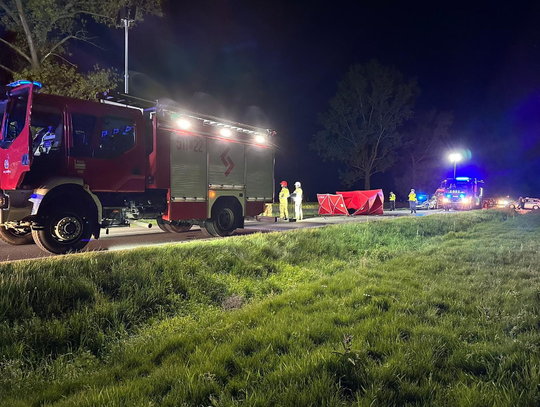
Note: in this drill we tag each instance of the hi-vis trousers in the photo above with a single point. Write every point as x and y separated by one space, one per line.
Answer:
283 209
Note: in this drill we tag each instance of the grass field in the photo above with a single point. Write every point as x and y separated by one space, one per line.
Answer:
440 310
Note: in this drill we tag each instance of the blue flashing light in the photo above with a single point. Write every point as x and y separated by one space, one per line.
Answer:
462 178
449 195
462 195
21 82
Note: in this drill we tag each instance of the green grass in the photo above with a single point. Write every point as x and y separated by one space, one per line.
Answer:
442 310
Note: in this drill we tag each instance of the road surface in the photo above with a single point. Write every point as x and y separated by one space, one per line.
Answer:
139 235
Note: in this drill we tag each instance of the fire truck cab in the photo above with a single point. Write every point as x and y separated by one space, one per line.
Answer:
71 167
461 193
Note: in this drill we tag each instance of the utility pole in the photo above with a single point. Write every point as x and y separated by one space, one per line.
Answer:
126 17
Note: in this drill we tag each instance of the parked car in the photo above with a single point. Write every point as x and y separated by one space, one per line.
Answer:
431 203
530 203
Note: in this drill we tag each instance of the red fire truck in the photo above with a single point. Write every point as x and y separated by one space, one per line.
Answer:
461 193
72 167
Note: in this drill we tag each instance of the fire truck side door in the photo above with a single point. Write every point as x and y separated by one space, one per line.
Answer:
118 156
83 130
15 143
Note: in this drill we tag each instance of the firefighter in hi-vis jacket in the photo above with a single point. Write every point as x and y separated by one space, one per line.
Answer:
297 197
284 201
392 201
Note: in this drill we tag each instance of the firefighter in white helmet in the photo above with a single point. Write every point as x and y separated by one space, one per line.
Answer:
297 196
284 201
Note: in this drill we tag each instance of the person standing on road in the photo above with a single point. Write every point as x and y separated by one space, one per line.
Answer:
284 201
521 202
298 194
412 201
392 201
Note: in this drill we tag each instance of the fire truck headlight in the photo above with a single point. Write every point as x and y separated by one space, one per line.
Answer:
183 124
225 132
445 200
466 200
260 139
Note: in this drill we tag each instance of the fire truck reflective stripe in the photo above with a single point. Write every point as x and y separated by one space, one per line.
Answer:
80 165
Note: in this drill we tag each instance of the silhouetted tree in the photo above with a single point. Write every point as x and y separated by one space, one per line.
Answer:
423 152
361 128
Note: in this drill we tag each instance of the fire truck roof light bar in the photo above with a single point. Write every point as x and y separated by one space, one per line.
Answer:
462 178
21 82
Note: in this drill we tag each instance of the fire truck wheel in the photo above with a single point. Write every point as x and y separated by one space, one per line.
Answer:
66 230
223 222
179 227
163 225
207 229
14 237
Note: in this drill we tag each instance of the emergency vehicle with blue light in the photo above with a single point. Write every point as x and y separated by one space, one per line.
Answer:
70 168
461 193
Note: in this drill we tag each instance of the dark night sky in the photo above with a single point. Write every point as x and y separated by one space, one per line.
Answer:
276 64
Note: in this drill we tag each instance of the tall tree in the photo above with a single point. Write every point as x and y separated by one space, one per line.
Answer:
42 29
361 128
425 142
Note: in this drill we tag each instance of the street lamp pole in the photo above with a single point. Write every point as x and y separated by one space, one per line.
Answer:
127 17
126 72
455 157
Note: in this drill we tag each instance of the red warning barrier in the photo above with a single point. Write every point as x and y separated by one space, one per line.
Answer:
364 202
331 205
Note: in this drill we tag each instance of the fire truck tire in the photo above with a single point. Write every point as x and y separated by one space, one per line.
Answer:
163 225
14 238
173 227
65 230
179 227
207 229
223 221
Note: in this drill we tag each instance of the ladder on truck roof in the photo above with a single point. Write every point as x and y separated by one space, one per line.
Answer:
121 99
116 98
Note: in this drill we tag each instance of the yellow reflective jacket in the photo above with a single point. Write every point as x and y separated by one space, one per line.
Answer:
284 194
392 197
412 196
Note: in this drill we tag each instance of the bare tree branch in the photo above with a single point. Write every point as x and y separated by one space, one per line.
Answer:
7 69
10 12
16 49
62 58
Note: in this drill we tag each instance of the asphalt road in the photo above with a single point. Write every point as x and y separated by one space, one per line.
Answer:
139 235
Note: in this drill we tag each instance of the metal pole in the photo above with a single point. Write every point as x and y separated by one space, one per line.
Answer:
126 74
455 162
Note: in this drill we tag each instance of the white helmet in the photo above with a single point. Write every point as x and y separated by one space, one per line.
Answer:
297 184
